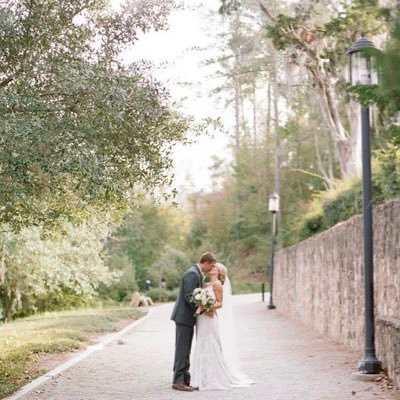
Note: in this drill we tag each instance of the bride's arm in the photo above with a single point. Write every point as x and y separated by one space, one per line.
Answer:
217 287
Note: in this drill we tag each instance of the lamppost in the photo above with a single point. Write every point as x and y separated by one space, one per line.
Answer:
363 71
273 207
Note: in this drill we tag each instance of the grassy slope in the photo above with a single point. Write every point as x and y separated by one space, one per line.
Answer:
22 340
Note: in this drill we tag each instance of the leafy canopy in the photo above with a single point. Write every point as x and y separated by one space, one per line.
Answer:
79 128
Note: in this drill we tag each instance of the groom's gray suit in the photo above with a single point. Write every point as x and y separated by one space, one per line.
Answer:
185 322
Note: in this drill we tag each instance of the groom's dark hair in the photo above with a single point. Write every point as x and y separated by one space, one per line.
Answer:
207 257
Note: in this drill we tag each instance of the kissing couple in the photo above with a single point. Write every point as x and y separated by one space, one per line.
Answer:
215 359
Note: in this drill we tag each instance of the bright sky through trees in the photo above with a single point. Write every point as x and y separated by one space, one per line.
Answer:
178 55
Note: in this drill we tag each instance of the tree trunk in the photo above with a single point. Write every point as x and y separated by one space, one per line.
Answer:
268 119
326 173
266 141
237 147
9 303
347 145
254 100
354 116
237 116
277 147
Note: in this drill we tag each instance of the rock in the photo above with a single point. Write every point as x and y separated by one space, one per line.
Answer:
140 300
143 301
150 301
135 301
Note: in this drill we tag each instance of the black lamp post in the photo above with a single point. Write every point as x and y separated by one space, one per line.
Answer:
363 71
273 207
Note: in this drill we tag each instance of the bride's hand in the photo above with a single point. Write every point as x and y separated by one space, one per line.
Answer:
209 313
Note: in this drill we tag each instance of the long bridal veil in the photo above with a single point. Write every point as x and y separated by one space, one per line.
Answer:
228 334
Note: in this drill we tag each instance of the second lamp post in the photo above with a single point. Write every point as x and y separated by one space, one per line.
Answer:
273 207
363 71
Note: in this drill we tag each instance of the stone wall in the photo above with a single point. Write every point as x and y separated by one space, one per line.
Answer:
320 283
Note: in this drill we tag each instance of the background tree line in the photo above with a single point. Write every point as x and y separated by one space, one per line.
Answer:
297 126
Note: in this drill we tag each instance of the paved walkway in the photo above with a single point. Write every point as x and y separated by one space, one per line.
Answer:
288 361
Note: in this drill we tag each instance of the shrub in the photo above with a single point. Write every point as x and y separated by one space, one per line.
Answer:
389 177
164 295
334 206
243 287
344 205
313 223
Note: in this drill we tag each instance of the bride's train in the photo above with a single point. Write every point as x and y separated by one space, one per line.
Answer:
210 369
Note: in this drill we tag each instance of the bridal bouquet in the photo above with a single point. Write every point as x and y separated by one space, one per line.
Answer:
203 300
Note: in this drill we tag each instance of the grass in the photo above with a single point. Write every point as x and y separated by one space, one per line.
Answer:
246 287
23 340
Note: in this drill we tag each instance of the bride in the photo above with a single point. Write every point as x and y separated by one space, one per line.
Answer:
215 359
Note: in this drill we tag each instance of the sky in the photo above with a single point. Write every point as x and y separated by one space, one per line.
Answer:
179 64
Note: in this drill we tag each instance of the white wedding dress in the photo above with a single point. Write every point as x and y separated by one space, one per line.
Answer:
215 363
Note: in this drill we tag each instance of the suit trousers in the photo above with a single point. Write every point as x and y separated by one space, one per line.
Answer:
183 345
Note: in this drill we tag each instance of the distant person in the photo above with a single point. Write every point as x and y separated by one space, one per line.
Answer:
147 284
163 283
183 315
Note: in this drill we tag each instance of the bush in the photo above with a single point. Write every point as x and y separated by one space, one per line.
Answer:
64 299
331 207
122 289
389 176
164 295
343 206
41 272
243 287
313 223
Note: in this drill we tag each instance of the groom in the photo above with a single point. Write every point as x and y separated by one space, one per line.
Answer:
185 321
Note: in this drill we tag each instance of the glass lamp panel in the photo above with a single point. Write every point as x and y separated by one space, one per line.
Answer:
271 205
360 69
374 70
348 73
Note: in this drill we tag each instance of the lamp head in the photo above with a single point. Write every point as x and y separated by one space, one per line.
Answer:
363 62
361 44
273 205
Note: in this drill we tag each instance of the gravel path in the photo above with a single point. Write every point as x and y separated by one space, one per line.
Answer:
288 361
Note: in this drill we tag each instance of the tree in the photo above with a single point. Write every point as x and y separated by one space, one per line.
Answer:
146 233
37 273
317 41
79 129
389 98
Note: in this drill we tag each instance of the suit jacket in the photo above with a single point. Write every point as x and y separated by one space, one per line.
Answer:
183 310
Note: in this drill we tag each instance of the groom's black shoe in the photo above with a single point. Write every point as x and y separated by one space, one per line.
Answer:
182 387
187 383
192 387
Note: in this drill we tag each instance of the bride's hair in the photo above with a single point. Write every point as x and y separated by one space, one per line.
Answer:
222 272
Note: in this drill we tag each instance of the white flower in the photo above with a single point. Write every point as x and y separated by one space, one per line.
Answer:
203 300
